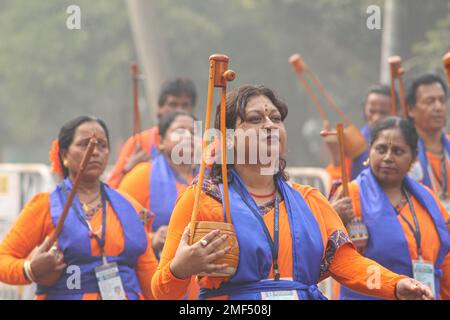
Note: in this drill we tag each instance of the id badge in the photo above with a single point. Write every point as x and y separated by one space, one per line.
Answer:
423 271
280 295
446 204
109 282
416 171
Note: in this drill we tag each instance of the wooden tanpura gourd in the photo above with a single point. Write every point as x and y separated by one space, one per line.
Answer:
446 62
355 143
219 75
51 278
356 228
396 70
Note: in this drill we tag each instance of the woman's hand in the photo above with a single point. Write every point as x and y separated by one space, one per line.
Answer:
46 266
411 289
344 208
158 239
199 257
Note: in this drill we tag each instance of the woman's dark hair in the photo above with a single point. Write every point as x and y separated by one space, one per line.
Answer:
236 103
67 132
166 121
406 127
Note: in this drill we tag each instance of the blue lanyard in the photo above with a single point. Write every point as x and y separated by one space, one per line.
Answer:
416 230
274 244
82 217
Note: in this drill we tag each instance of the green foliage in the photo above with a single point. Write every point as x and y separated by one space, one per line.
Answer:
49 74
436 44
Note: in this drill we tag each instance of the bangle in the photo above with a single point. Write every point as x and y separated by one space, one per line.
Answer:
395 292
396 288
28 272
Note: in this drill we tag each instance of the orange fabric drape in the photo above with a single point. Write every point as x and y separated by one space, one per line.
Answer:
435 163
34 224
148 137
430 238
335 171
347 266
137 184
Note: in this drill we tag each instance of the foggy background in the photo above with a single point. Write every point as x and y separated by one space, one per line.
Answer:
49 74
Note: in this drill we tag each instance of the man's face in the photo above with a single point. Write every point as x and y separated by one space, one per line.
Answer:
430 111
378 107
176 103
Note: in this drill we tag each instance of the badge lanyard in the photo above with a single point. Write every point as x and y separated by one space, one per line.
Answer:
415 231
82 217
274 244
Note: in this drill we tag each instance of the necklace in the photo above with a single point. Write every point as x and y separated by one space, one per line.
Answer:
91 201
264 195
90 211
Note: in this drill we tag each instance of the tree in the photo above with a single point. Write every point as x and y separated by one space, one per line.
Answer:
50 74
429 51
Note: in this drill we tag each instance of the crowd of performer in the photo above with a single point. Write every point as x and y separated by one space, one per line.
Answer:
129 237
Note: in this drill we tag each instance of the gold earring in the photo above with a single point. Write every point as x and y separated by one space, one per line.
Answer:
367 162
65 163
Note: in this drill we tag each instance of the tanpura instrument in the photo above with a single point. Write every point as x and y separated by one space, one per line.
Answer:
397 71
341 141
357 230
219 75
85 160
51 278
446 62
355 143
